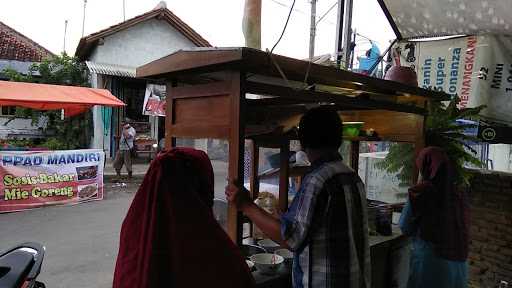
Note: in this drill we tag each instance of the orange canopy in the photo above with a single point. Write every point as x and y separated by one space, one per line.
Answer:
74 100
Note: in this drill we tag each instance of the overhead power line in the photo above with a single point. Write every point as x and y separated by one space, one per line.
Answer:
326 13
303 12
284 28
288 6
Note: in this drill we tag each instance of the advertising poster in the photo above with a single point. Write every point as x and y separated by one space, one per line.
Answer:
477 68
154 100
34 179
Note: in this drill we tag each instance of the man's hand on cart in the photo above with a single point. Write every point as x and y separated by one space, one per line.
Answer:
238 195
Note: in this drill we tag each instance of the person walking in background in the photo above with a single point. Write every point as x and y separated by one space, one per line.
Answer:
437 218
123 155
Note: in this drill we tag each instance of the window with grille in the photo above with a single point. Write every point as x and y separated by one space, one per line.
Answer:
7 111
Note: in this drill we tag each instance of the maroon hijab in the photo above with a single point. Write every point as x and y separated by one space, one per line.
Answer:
441 209
170 237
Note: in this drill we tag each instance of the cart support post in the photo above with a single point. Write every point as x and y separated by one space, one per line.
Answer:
170 141
236 152
284 176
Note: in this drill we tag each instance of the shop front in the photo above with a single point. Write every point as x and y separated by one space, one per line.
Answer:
36 178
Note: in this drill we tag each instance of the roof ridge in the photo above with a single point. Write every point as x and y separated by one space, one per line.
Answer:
175 18
8 29
120 23
172 19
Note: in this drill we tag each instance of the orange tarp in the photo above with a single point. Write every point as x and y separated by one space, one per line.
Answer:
74 100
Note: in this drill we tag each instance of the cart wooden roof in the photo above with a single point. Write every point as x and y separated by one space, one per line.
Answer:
285 76
286 88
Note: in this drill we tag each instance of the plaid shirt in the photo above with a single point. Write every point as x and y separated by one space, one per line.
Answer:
326 227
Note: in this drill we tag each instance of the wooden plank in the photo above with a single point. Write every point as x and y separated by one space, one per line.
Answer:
205 130
260 62
236 153
169 116
389 125
284 176
181 61
202 90
254 180
308 96
276 101
213 110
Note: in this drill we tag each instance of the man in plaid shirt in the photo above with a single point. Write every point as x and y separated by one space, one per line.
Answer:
326 226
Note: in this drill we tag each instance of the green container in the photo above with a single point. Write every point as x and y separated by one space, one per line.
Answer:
351 129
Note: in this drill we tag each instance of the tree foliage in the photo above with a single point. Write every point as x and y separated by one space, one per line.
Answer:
68 133
442 130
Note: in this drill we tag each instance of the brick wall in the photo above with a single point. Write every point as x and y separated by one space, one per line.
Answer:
490 255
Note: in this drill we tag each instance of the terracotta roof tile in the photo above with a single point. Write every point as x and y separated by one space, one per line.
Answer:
16 46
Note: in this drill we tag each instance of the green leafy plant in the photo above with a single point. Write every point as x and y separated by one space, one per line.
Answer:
400 159
442 130
68 133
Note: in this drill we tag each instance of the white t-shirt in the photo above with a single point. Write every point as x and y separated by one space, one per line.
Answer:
123 145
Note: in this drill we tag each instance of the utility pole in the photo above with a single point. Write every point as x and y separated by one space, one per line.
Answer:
339 33
251 24
65 32
352 54
83 20
124 10
312 32
347 32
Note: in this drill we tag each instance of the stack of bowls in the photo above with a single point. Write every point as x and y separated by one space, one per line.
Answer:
269 245
288 257
267 263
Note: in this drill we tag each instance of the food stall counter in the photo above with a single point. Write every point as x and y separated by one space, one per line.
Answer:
389 259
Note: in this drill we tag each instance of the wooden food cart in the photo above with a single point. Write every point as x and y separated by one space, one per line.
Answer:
241 94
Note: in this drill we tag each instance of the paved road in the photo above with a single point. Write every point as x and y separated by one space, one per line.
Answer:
81 240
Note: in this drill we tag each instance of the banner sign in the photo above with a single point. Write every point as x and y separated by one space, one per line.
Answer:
477 68
35 179
154 100
495 134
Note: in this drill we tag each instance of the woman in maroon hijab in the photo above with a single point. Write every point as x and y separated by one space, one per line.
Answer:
170 237
437 218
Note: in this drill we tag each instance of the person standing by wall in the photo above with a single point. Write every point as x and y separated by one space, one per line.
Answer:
123 155
436 217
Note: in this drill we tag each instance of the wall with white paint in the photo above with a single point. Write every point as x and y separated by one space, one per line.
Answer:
140 44
133 47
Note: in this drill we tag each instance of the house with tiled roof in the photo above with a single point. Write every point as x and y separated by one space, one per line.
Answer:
113 54
17 52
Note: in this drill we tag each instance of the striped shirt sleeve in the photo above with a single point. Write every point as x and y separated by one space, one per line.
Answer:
296 222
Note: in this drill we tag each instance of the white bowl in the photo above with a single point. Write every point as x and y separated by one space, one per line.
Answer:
267 263
250 264
287 255
269 245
